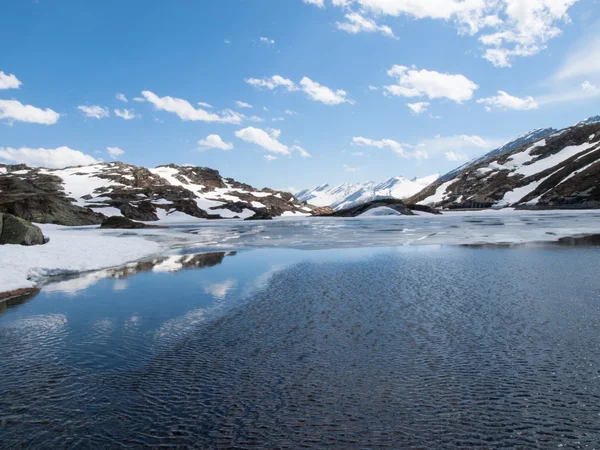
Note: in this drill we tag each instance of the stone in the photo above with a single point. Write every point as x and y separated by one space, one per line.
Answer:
18 231
118 222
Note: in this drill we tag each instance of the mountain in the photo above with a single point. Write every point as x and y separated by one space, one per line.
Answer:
86 195
560 170
526 138
590 120
348 195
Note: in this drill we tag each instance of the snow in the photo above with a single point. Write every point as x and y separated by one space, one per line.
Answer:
592 137
577 172
381 211
80 181
347 195
3 170
257 205
69 250
553 160
440 193
108 211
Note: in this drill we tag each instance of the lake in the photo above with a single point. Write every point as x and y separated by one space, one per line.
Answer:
430 347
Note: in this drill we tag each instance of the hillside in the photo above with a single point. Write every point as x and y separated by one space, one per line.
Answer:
560 170
86 195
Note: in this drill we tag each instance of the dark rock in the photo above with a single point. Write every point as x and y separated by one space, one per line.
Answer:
260 215
118 222
423 208
17 231
392 203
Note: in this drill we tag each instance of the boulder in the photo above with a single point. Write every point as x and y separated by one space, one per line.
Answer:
118 222
260 215
14 230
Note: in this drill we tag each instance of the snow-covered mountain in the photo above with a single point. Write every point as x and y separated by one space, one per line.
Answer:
560 170
348 195
88 194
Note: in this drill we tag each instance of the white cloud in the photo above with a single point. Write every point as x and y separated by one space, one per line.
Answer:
350 169
186 111
319 3
126 114
418 108
289 112
278 119
270 157
432 84
314 90
115 152
589 87
52 158
268 141
508 28
583 60
9 81
266 40
139 99
373 88
95 111
323 94
227 41
272 83
14 110
256 119
506 101
240 104
214 141
355 23
121 97
459 146
453 156
303 153
396 147
205 105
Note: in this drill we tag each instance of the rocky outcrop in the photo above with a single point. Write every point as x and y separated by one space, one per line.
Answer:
87 195
118 222
16 231
392 204
560 171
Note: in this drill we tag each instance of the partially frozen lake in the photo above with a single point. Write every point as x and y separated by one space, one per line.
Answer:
322 334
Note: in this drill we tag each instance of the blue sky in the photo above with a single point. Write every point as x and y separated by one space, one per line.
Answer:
346 72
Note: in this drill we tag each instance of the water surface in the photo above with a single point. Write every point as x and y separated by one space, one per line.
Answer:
427 347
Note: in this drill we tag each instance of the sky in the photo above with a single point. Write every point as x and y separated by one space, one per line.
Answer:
290 94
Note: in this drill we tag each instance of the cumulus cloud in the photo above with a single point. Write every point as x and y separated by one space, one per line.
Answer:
186 111
51 158
95 111
122 97
115 152
272 83
289 112
319 3
418 108
355 23
270 157
507 28
126 114
323 94
9 81
14 110
267 140
589 87
458 147
240 104
314 90
419 83
214 141
506 101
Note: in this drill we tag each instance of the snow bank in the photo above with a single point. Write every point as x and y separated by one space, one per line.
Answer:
69 250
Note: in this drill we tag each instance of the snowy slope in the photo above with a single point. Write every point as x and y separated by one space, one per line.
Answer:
560 170
87 194
348 195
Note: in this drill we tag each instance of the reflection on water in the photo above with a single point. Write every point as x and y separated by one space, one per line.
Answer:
429 347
